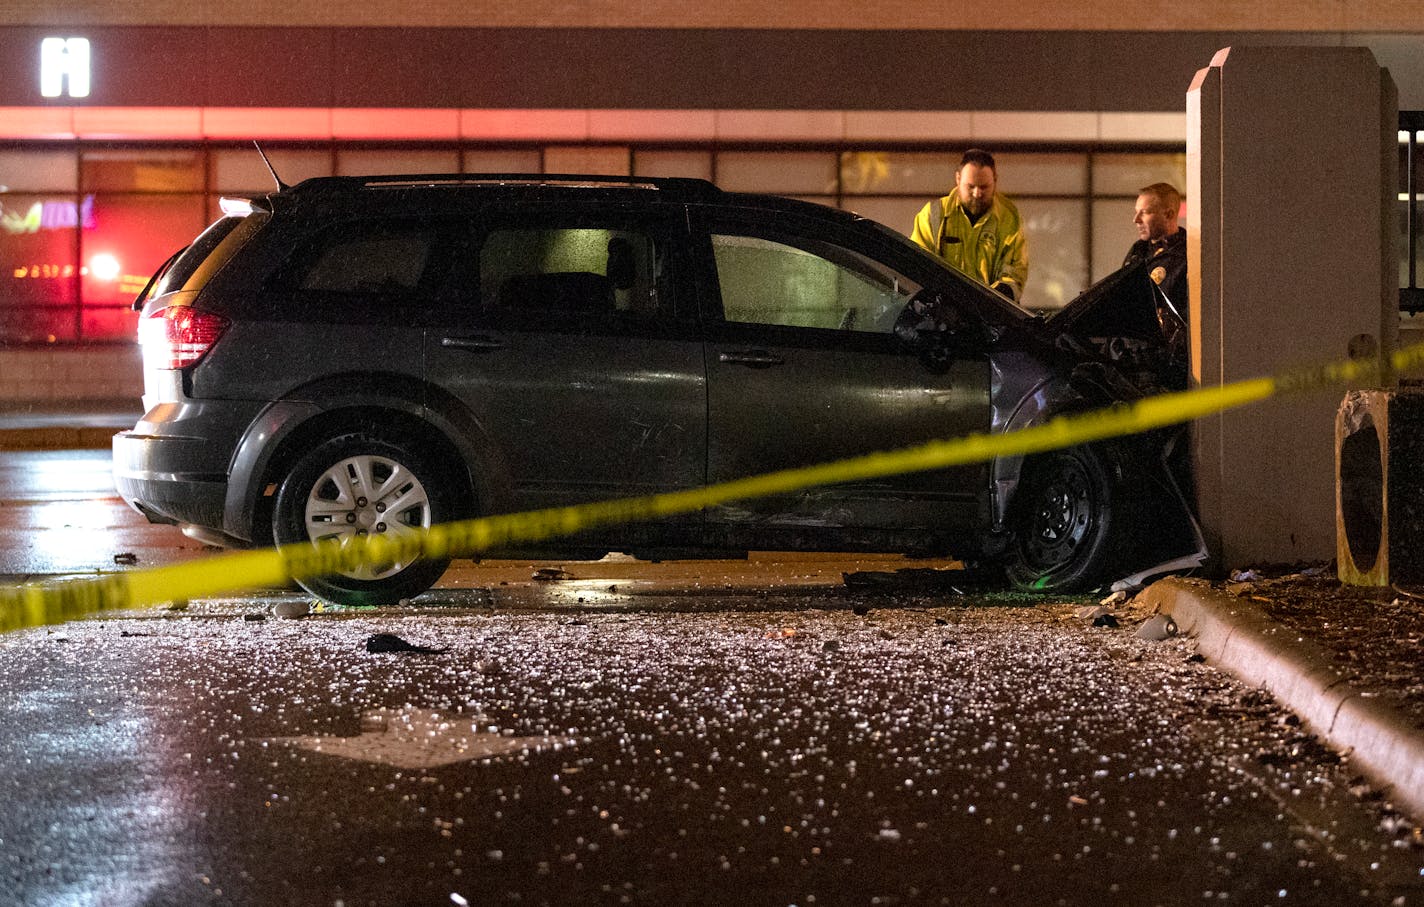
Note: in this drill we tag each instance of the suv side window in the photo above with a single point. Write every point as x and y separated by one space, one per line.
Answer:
574 269
812 284
365 258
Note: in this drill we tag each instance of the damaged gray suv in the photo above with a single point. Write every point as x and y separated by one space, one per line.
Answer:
376 355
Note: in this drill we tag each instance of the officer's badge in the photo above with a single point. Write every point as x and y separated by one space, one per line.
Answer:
1158 275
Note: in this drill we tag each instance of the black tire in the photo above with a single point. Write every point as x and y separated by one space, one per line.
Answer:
1062 518
311 504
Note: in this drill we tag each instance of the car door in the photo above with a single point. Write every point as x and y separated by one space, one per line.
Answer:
804 368
574 348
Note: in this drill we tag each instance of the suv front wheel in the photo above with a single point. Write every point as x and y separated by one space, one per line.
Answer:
1064 515
361 484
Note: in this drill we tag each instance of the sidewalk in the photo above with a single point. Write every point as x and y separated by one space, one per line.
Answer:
1347 660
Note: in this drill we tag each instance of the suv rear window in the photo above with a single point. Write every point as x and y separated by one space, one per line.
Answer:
186 263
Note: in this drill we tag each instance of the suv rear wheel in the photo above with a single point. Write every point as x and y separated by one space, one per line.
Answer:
359 484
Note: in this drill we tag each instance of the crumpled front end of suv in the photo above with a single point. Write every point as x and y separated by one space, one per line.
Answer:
1069 519
1120 509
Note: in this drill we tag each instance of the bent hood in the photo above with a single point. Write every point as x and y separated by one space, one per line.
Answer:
1125 304
1124 321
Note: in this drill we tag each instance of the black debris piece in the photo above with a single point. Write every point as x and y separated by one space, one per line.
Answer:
924 579
389 642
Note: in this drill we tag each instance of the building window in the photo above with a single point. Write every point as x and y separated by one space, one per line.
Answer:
687 164
82 226
496 160
599 160
1116 179
41 215
794 173
381 162
142 205
241 172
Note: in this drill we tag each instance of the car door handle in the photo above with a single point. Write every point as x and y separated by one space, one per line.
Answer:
753 358
479 343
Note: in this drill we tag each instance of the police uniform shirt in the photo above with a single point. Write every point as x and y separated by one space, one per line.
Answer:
1167 265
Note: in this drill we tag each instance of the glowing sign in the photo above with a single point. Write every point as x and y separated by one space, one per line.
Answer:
102 267
61 59
50 272
48 215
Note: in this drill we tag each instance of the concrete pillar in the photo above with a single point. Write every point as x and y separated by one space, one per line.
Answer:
1292 162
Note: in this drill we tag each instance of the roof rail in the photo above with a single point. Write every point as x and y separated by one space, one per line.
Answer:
679 186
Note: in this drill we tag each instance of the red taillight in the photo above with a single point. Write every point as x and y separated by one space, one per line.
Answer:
177 336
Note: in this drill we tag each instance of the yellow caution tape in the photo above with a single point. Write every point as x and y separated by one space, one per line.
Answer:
38 604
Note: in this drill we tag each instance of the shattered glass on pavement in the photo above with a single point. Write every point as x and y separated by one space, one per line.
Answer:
913 753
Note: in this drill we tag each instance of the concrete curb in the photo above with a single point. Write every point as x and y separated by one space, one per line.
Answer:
66 424
1380 739
58 437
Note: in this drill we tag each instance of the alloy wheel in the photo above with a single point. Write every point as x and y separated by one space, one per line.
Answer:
367 495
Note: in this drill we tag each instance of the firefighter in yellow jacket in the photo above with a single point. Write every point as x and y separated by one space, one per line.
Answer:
976 229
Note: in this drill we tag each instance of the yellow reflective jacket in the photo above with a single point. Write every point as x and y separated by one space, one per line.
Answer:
993 251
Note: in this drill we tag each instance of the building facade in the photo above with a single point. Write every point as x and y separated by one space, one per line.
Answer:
121 128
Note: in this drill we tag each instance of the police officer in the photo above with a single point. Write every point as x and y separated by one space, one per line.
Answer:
1161 243
975 229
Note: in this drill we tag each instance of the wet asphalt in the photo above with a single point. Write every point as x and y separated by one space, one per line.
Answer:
625 732
703 747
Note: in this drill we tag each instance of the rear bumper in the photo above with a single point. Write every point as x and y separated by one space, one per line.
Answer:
173 466
155 477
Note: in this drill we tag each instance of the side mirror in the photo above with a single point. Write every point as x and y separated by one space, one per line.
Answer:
938 331
921 319
929 317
